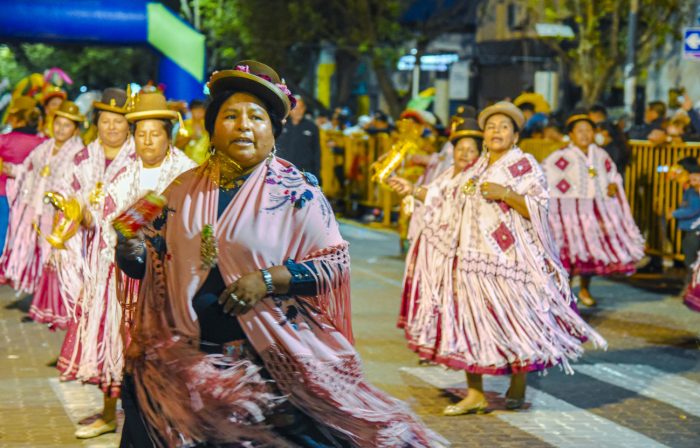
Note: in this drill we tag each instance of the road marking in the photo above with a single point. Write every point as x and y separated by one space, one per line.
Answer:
387 280
649 382
80 401
550 419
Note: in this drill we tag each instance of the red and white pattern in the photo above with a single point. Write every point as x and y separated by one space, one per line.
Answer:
595 233
484 290
692 296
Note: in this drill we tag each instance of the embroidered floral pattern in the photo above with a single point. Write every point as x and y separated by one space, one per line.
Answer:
503 237
520 167
562 163
563 186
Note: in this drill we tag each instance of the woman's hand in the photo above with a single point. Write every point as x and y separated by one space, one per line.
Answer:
243 294
400 185
612 190
133 248
494 192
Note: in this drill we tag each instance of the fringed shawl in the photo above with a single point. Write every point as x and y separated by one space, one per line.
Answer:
304 342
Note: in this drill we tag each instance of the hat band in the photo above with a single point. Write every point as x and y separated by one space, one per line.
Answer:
578 117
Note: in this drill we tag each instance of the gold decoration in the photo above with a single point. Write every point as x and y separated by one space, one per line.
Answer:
66 220
97 195
46 171
592 172
469 188
408 142
208 249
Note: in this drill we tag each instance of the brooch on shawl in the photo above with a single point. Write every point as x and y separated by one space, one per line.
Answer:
208 248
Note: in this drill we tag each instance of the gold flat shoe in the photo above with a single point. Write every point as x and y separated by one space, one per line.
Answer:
455 409
88 432
587 300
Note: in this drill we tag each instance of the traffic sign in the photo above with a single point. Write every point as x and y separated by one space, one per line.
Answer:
691 43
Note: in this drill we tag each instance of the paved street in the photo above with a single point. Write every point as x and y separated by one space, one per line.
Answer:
643 392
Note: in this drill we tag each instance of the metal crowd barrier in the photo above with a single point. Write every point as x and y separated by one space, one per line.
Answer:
345 162
651 193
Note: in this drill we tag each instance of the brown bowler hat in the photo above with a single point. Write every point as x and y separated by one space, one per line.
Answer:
70 111
113 100
150 105
257 79
465 127
53 92
506 108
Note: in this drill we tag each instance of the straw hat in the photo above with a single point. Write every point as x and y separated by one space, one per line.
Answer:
21 104
113 100
150 105
575 117
502 107
71 111
465 127
257 79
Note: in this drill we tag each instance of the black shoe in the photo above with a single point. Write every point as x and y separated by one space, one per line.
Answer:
26 320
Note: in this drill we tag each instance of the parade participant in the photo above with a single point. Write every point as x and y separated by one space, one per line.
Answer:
300 142
92 348
51 100
433 247
31 220
23 117
589 213
215 283
193 139
507 308
438 162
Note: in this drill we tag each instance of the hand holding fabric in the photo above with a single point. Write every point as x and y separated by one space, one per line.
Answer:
243 294
493 192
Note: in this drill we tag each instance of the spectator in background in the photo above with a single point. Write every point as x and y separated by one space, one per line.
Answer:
687 215
323 122
652 129
609 138
598 114
299 142
693 115
193 138
554 132
380 124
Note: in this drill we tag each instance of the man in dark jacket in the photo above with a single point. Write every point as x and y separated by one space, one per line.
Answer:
300 141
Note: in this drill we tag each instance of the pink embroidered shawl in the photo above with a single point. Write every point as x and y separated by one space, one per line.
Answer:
304 342
26 250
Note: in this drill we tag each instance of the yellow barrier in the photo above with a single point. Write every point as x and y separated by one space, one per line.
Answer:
651 194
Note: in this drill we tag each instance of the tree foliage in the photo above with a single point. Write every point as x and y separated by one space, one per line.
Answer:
289 35
95 67
599 49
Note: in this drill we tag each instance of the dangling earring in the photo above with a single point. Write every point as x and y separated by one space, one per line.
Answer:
272 154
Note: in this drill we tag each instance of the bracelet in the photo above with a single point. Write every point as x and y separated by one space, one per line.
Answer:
267 278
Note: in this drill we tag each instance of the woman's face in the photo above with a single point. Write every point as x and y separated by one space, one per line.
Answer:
466 151
152 142
243 130
113 129
582 134
63 129
499 133
52 105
